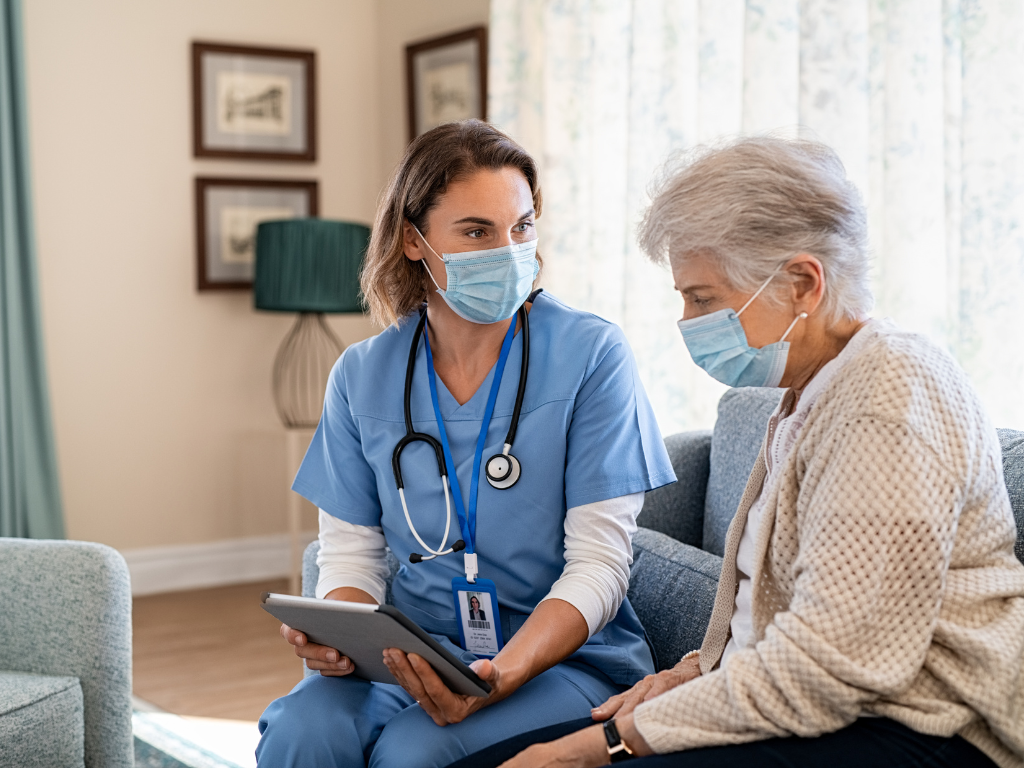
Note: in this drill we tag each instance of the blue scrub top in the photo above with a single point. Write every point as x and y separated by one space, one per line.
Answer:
586 433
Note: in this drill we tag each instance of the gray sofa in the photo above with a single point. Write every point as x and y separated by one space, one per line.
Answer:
65 656
678 550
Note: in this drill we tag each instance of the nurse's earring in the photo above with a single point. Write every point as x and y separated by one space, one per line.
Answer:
503 469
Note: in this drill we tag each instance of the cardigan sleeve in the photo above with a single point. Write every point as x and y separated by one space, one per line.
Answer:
877 514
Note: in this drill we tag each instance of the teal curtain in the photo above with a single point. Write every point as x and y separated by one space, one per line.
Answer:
30 503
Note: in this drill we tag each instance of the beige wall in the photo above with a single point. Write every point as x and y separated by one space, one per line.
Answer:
165 427
166 431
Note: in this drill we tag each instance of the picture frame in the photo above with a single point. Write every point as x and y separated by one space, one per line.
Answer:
227 213
446 79
253 103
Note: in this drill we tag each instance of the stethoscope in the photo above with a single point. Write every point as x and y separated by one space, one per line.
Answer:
502 470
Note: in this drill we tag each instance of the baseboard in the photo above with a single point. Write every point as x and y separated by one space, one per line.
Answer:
213 564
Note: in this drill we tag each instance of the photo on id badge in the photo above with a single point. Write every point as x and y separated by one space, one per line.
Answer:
479 623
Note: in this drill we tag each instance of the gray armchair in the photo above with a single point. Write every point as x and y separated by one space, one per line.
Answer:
65 656
677 553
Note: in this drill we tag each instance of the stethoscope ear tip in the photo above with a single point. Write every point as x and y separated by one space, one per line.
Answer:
458 546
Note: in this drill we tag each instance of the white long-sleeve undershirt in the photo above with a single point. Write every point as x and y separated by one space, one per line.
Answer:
598 553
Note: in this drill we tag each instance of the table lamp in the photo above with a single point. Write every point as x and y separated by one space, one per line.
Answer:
308 266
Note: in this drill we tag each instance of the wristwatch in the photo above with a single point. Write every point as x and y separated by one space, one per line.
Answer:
617 749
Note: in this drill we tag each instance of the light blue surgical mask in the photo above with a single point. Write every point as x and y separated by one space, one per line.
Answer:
487 286
718 344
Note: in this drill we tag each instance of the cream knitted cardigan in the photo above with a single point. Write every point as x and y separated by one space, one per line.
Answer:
886 582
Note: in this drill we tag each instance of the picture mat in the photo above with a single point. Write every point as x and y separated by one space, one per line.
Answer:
262 204
448 84
233 64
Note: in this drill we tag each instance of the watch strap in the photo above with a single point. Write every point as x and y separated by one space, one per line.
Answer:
617 749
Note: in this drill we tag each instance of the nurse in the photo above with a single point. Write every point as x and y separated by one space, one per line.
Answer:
516 494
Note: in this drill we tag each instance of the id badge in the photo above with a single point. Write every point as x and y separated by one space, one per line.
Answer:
476 605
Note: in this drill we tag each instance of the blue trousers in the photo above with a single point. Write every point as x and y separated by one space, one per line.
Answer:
869 741
345 722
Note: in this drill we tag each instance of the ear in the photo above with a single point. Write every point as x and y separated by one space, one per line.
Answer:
412 242
807 282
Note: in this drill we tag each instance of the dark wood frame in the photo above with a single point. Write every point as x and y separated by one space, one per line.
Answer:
308 58
204 183
411 51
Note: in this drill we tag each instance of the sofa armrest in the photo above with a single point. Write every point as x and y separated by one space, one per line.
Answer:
677 510
672 588
65 609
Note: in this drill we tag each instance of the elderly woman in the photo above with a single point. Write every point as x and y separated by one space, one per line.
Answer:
870 610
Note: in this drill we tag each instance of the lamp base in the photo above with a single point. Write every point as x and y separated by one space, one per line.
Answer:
301 369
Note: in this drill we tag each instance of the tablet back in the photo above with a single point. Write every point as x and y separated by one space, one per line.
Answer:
362 632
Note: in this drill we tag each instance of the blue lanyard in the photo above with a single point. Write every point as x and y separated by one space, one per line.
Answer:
468 522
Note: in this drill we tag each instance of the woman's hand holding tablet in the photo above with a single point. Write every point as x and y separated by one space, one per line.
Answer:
329 662
444 707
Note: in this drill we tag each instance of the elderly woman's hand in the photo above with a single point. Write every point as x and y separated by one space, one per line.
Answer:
651 686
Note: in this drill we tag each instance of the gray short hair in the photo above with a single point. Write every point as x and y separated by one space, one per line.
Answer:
754 203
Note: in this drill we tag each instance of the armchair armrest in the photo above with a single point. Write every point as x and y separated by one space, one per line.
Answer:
677 510
65 610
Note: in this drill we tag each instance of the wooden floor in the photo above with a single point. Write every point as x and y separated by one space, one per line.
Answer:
211 652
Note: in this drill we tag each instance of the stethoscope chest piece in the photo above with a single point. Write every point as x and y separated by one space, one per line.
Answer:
502 471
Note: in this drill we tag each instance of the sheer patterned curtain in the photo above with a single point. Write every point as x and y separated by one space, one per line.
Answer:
923 100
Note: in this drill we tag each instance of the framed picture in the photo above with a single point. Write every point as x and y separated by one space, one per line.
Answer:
446 79
227 212
253 103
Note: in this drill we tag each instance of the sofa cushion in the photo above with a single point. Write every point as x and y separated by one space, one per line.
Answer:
41 721
743 415
1012 443
672 589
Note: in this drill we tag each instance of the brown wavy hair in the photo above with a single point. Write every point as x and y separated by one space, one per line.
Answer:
392 285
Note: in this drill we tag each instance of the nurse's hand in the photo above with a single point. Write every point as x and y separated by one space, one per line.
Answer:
416 675
651 686
320 658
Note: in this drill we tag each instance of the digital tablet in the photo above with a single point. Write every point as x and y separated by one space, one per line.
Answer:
362 631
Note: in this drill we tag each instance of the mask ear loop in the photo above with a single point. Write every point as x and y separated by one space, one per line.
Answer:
750 300
797 319
424 261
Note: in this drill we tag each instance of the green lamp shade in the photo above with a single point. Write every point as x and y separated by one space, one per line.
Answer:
309 265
